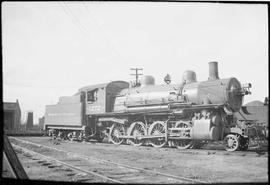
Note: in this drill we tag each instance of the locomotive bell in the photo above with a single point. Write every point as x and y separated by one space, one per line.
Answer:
147 80
213 71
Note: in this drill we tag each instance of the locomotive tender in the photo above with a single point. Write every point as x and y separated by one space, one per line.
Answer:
183 115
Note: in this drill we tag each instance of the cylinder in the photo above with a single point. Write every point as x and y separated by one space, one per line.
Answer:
202 130
213 71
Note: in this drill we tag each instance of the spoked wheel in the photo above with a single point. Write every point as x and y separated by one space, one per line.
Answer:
231 142
116 131
55 134
183 143
137 130
157 128
64 135
71 136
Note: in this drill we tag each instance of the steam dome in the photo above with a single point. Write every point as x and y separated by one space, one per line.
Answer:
189 76
147 80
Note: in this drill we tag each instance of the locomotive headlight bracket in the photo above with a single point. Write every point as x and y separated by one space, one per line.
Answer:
246 89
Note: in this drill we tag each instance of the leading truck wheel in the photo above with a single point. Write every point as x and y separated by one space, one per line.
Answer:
231 142
115 131
157 128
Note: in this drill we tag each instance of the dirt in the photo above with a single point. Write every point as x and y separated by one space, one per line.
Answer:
38 168
213 166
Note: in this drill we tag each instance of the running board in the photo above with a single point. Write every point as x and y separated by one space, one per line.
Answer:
172 136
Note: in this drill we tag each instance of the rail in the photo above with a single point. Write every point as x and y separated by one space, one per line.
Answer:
147 173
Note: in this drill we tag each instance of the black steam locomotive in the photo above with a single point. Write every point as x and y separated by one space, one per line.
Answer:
182 115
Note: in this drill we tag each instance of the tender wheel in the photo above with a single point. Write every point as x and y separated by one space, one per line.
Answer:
64 135
137 130
69 136
72 136
157 128
55 134
51 132
244 142
183 143
116 131
231 142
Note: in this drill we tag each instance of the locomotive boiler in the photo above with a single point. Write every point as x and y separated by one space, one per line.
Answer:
180 115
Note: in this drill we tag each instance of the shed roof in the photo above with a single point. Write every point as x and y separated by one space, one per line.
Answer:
255 103
11 105
256 113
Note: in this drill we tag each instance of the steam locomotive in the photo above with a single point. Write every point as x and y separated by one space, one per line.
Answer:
183 115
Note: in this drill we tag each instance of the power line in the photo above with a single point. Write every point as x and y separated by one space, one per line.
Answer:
74 19
99 26
136 75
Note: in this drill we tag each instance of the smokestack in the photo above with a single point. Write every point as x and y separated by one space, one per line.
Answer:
213 71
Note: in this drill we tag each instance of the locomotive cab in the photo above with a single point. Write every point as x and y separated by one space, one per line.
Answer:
100 98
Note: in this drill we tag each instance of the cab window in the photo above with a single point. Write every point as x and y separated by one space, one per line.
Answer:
92 95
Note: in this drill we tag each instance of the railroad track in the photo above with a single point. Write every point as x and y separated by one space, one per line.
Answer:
45 160
106 171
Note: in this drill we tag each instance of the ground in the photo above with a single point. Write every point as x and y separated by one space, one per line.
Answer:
208 165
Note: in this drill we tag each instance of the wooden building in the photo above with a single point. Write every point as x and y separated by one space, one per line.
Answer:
12 115
29 120
41 122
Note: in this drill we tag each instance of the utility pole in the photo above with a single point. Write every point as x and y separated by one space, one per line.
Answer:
136 74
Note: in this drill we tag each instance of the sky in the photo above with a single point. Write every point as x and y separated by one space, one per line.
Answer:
51 49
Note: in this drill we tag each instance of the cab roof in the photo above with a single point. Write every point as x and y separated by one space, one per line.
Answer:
98 86
92 87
